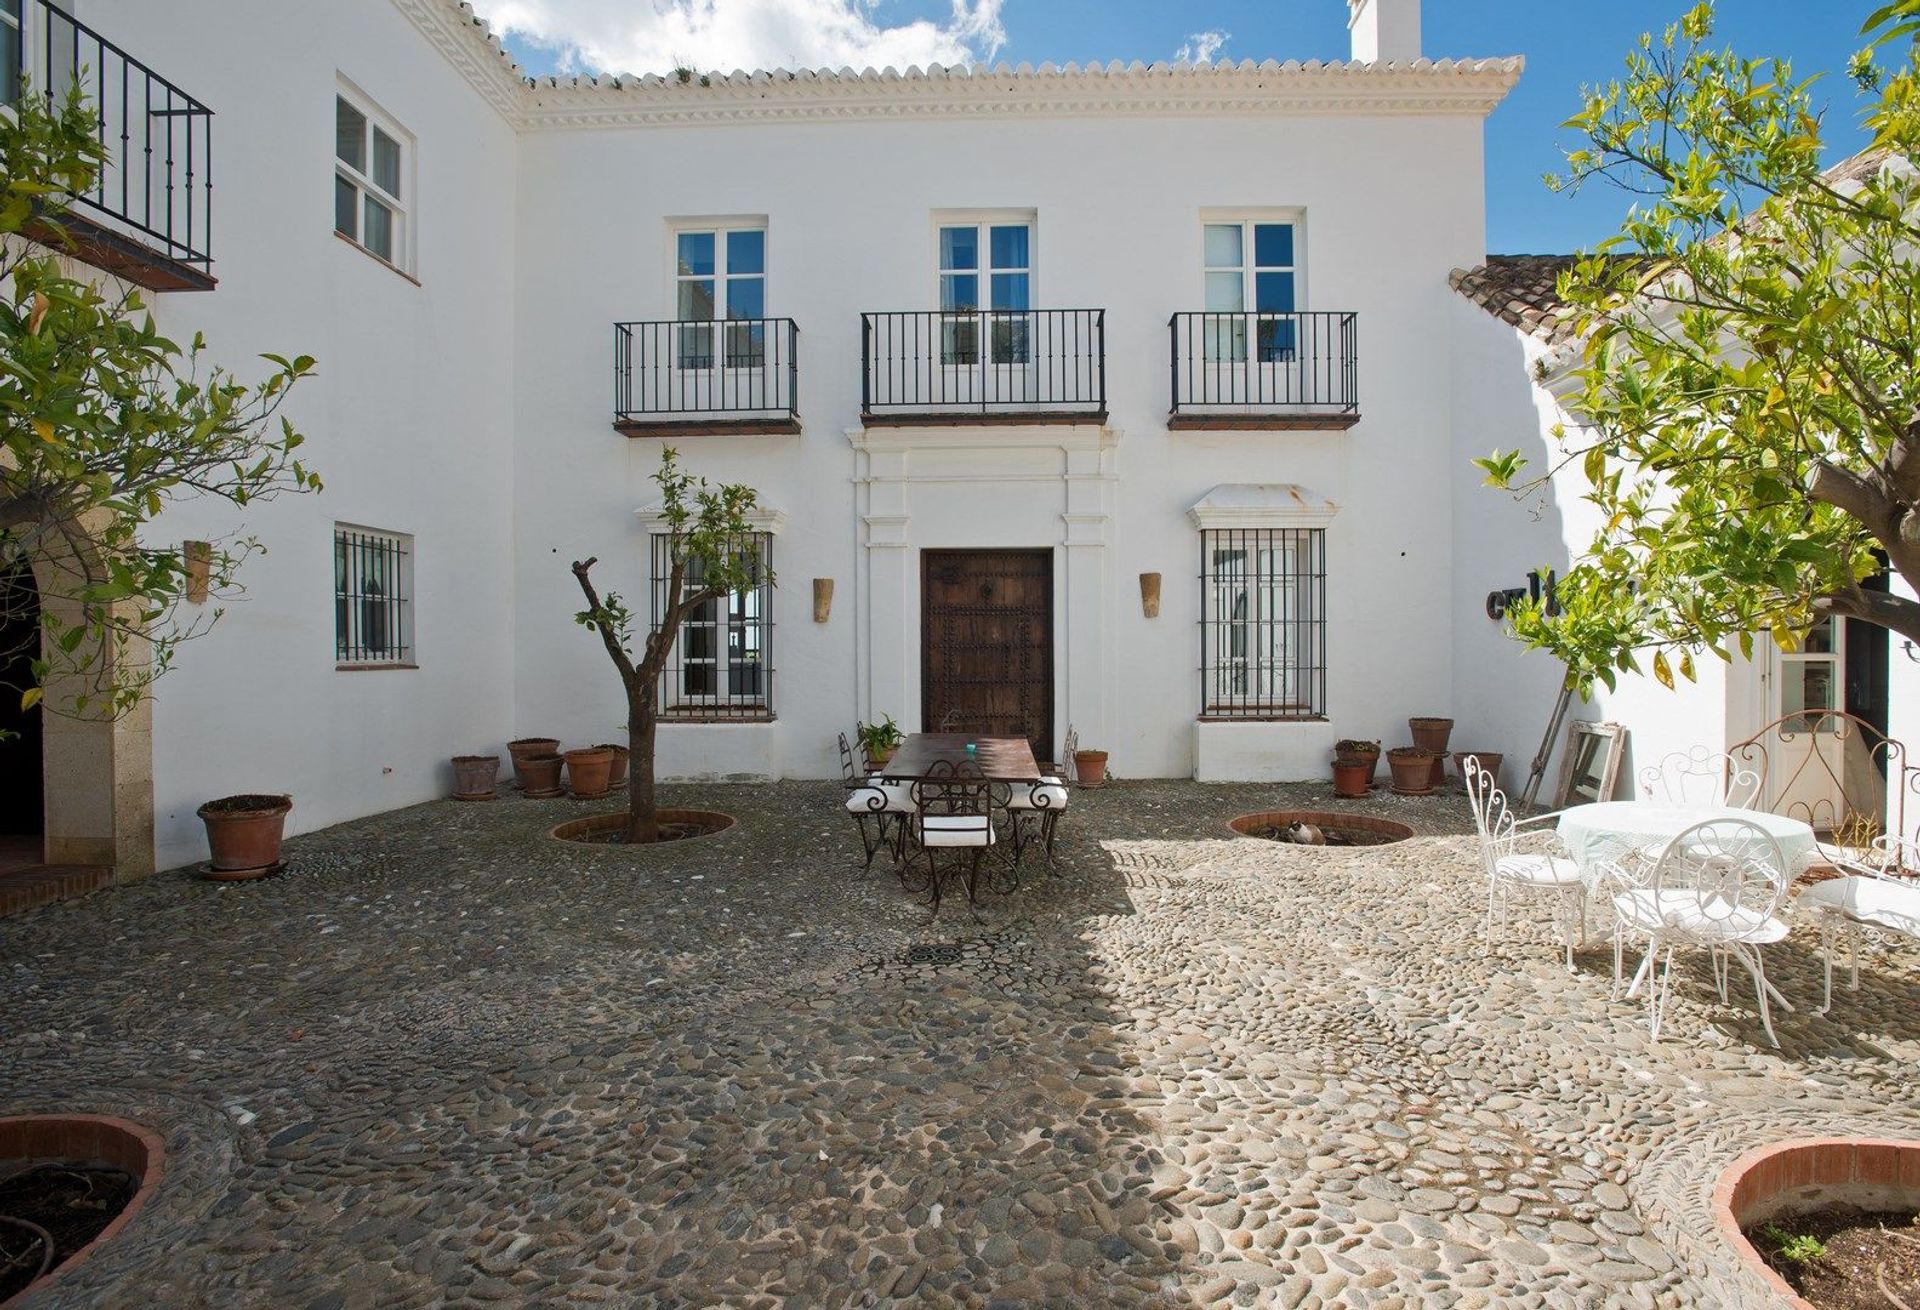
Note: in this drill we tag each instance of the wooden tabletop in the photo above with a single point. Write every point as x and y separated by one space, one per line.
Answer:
1009 759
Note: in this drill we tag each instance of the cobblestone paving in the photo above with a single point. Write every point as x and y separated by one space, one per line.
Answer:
445 1060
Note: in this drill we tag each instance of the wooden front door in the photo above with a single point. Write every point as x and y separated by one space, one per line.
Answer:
986 644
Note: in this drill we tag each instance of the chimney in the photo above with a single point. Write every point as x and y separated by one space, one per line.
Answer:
1384 31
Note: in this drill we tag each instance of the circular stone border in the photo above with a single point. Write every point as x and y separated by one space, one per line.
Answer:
578 831
94 1139
1248 825
1870 1172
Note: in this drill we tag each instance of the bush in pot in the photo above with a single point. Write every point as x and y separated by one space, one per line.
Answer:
1353 748
244 834
878 741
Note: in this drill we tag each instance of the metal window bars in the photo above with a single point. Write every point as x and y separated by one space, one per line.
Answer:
721 666
372 597
935 363
1252 363
156 184
1263 623
704 370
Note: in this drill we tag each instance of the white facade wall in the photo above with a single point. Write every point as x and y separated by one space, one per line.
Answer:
408 420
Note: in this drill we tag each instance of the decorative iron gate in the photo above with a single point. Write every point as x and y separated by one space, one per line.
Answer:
986 644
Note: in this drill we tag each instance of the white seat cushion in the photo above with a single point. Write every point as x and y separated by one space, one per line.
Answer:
1053 795
894 799
1702 917
1537 870
1879 902
955 830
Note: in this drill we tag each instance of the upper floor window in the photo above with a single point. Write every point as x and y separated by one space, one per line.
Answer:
372 597
722 661
371 180
720 273
9 51
1251 281
986 266
1263 623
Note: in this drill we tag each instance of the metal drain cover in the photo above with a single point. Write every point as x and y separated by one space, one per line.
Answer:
934 953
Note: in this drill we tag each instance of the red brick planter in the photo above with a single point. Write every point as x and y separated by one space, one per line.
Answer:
1874 1173
86 1139
584 830
1251 825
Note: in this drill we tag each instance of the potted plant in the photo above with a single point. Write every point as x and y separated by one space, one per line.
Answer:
1367 752
473 777
1090 768
539 775
1430 735
878 741
618 777
590 771
526 748
1489 764
243 834
1412 768
1351 776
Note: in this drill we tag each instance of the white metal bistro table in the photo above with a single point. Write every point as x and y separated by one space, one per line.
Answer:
1607 830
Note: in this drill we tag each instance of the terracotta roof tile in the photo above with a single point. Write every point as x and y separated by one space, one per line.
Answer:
1519 289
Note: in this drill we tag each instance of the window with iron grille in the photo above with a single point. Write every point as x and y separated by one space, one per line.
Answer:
1263 623
372 597
722 661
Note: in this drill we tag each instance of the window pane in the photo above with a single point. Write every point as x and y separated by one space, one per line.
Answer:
696 301
746 252
346 207
1223 245
386 163
696 254
1008 246
1226 292
1009 291
1819 639
378 236
959 291
746 297
10 58
1273 292
746 345
959 247
694 349
1273 245
350 135
960 342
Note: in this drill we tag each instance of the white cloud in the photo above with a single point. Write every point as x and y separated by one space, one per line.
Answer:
1201 47
657 36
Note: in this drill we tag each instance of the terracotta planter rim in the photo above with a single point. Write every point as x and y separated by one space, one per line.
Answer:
128 1139
1089 755
280 805
1429 721
475 759
588 753
532 741
1411 753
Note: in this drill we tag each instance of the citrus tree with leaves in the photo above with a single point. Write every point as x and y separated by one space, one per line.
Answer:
1747 390
104 422
710 554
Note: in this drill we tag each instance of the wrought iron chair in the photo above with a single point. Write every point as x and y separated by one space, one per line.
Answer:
1718 887
1701 777
1881 893
953 810
1509 869
1033 811
879 809
1067 747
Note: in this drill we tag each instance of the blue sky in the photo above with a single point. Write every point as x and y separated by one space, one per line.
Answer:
1566 43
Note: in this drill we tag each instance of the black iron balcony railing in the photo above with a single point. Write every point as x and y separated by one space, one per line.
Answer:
1260 370
149 214
994 366
735 374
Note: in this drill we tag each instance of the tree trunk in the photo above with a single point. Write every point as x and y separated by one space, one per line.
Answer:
643 805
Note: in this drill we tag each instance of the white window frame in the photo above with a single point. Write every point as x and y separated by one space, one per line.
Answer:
390 644
16 21
1231 348
401 207
720 352
1009 344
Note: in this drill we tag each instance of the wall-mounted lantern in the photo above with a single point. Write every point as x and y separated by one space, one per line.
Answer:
822 599
1150 595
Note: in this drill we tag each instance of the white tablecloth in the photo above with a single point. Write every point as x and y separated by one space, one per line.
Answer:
1610 829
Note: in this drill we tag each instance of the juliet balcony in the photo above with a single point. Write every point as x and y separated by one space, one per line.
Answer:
736 376
149 215
1258 370
992 366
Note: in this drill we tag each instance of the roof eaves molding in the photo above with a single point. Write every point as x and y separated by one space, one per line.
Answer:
466 41
761 518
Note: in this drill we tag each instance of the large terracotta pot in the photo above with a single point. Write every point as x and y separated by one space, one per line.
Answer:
244 833
1351 774
526 748
539 776
1090 768
1431 735
617 778
1368 753
1412 770
590 771
474 776
1489 764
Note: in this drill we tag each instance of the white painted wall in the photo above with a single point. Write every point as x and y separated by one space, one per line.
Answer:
1903 711
409 420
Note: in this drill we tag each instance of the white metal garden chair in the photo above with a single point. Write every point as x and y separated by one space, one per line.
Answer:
880 809
1034 810
1717 887
953 811
1881 893
1700 777
1510 869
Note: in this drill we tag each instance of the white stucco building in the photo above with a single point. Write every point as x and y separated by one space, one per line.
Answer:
1004 352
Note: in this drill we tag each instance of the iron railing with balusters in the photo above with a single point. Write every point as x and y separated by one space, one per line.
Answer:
1248 365
691 372
990 364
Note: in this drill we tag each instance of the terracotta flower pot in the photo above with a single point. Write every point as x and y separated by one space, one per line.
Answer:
1367 752
474 777
618 777
243 833
1351 775
590 771
525 748
1412 770
1431 735
539 775
1489 764
1090 767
